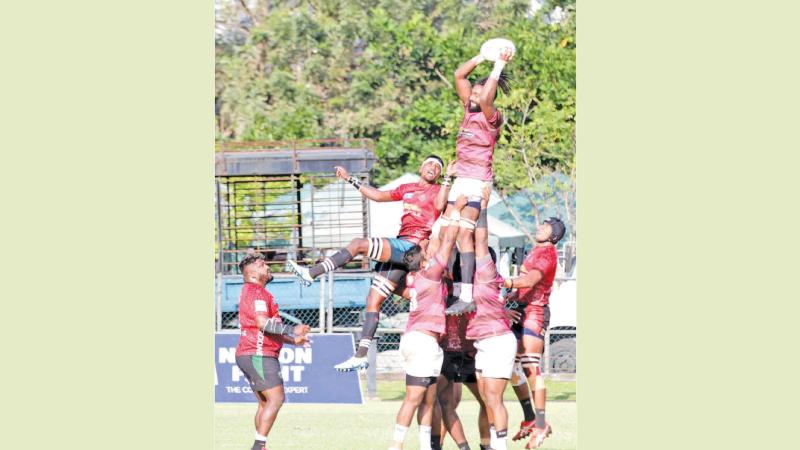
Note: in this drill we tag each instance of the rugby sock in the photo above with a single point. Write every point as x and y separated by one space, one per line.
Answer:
259 444
463 446
330 263
399 434
492 436
435 442
467 273
527 409
539 418
424 437
367 333
485 447
500 442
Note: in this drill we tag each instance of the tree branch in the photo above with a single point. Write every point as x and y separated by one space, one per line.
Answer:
449 84
517 219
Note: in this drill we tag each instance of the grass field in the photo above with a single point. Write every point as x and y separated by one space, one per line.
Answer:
370 426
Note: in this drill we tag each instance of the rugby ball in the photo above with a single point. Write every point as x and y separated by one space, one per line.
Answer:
491 48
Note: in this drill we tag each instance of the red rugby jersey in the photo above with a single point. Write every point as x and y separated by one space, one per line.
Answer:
544 259
426 311
419 210
475 144
490 316
454 338
256 301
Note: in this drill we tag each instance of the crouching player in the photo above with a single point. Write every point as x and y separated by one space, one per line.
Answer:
260 342
491 331
538 271
422 356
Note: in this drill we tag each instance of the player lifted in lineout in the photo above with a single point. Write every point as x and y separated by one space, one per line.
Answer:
262 336
419 346
538 272
422 204
475 143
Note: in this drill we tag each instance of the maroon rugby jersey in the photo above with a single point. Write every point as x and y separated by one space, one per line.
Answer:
256 301
426 311
544 259
490 318
419 210
475 145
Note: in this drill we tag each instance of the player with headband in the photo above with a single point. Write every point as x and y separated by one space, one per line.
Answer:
475 143
422 204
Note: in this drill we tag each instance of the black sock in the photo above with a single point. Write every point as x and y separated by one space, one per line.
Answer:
463 446
539 418
367 333
435 439
527 409
467 267
258 445
330 263
485 447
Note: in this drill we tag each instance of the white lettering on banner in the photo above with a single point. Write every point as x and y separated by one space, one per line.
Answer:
302 355
233 389
236 373
227 355
296 390
297 373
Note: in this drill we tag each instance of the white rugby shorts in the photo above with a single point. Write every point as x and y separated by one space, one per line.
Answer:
422 356
495 357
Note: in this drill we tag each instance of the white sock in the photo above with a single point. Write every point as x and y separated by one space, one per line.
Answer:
399 434
492 436
260 437
466 292
499 444
424 437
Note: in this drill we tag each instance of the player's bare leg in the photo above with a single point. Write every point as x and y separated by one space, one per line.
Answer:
483 416
374 248
534 347
269 404
384 284
449 394
466 246
491 390
414 397
425 418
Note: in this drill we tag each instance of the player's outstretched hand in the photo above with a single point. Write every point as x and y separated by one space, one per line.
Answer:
301 330
513 315
506 54
485 194
341 172
301 340
461 202
451 169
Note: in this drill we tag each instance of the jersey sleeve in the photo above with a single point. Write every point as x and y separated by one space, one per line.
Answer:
398 192
496 120
259 301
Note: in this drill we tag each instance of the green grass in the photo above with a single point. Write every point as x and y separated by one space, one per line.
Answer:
394 389
368 426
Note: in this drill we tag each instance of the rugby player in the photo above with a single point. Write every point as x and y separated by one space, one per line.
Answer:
260 342
422 204
491 330
475 143
458 368
422 356
538 272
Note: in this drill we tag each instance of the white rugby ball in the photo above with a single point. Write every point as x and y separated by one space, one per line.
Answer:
491 48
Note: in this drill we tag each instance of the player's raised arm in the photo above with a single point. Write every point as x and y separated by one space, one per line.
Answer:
296 334
489 92
527 280
444 192
463 86
365 190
